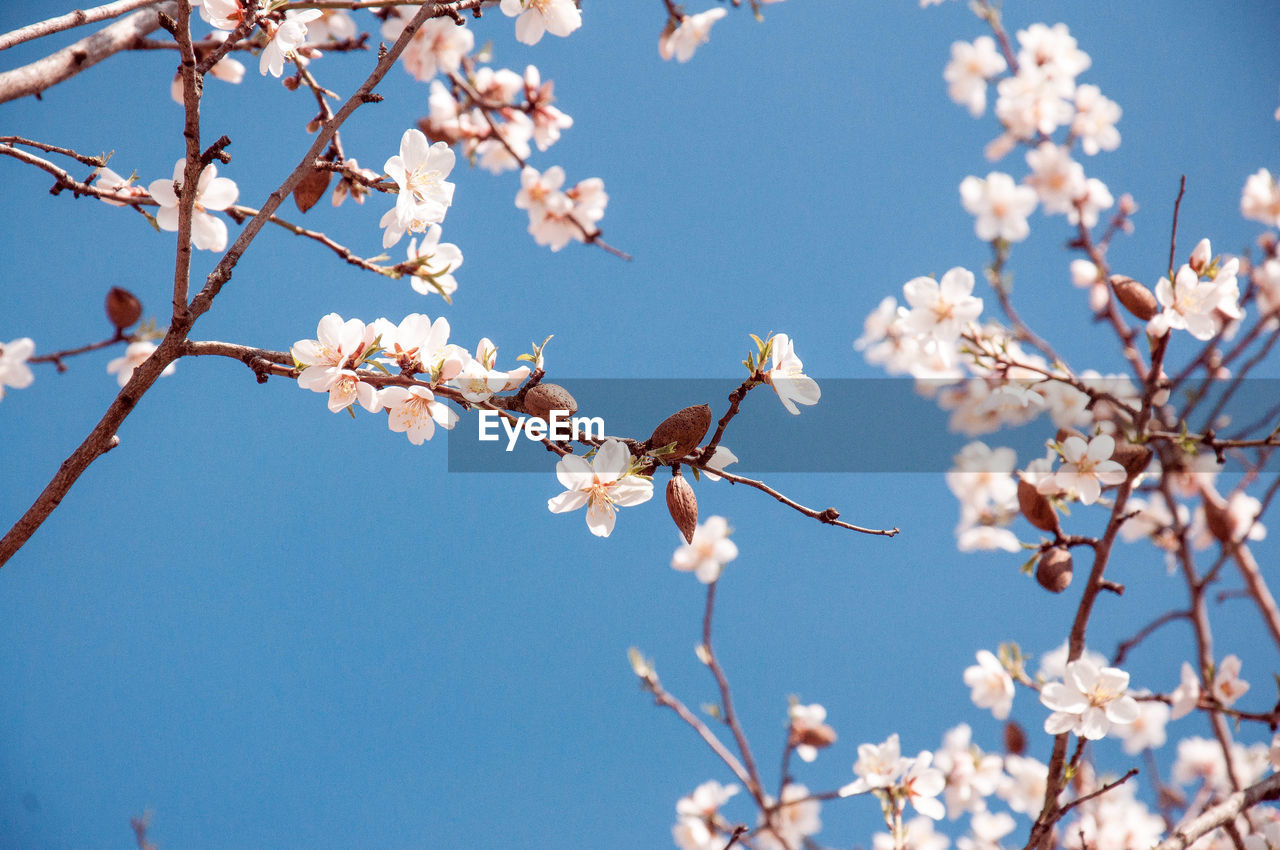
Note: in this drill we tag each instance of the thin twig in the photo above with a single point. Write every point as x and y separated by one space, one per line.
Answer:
754 786
829 516
97 161
71 20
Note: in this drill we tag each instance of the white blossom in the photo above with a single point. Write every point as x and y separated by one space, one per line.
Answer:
692 31
600 484
208 232
708 552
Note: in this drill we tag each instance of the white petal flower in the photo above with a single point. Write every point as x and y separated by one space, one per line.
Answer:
787 376
1089 701
1260 200
208 233
437 263
1227 684
971 66
878 766
941 309
414 412
709 551
693 30
134 355
424 195
285 41
991 684
14 371
1001 206
1088 467
600 484
535 17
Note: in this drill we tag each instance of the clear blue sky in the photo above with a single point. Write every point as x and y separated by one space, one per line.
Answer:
279 627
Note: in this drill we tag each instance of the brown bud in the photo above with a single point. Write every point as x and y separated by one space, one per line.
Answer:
685 428
311 189
818 737
1135 297
1053 572
291 82
1132 457
683 505
541 399
1015 740
1216 515
1036 508
123 307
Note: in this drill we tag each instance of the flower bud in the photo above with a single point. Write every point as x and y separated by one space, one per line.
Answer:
818 737
685 428
291 82
123 308
1135 297
683 506
1201 256
1053 571
1036 508
541 399
1015 740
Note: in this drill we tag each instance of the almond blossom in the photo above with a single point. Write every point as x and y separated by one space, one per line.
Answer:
548 121
1189 303
695 829
1227 684
682 40
286 38
548 207
991 684
1001 206
971 775
424 195
438 45
108 181
535 17
1057 179
208 232
878 766
917 833
941 309
223 14
971 66
414 412
796 818
1053 50
1260 200
328 363
134 356
418 344
478 380
1088 467
1096 198
1186 696
787 377
1089 701
808 730
606 481
437 261
1095 121
14 371
1147 731
708 552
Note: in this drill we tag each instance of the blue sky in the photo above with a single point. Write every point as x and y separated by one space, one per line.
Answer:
274 626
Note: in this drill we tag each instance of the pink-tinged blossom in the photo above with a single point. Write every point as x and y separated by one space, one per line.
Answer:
1189 304
878 766
941 309
333 25
971 66
1057 179
421 345
1053 664
14 371
991 685
223 14
1186 696
918 833
438 45
1147 731
809 722
1095 120
1053 50
1227 684
708 552
1001 206
424 195
438 261
1030 102
208 232
971 775
695 829
535 17
1089 701
134 355
600 484
1096 198
286 38
1024 785
1088 467
787 377
548 121
478 380
507 146
1260 200
986 829
1114 821
329 361
794 821
922 784
684 39
108 181
548 207
414 412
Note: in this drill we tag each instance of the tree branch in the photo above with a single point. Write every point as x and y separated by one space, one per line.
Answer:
71 20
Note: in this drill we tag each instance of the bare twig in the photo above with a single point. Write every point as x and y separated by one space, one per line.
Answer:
829 516
97 161
754 786
71 20
57 357
1223 813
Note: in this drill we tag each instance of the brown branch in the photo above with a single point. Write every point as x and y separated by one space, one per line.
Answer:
71 20
829 516
754 786
98 161
57 357
241 213
1223 813
1133 771
664 698
66 181
192 86
66 63
1125 646
1258 589
1173 234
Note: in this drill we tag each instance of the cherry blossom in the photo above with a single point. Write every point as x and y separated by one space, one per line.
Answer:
438 45
437 263
1088 467
971 775
535 17
986 830
548 121
134 355
1001 206
1096 197
424 195
1147 731
600 484
1089 701
1057 179
941 309
795 820
697 812
878 766
286 38
14 371
1260 200
691 32
108 181
1189 304
208 232
808 730
708 552
1227 684
991 684
971 66
918 833
787 377
414 412
1024 784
